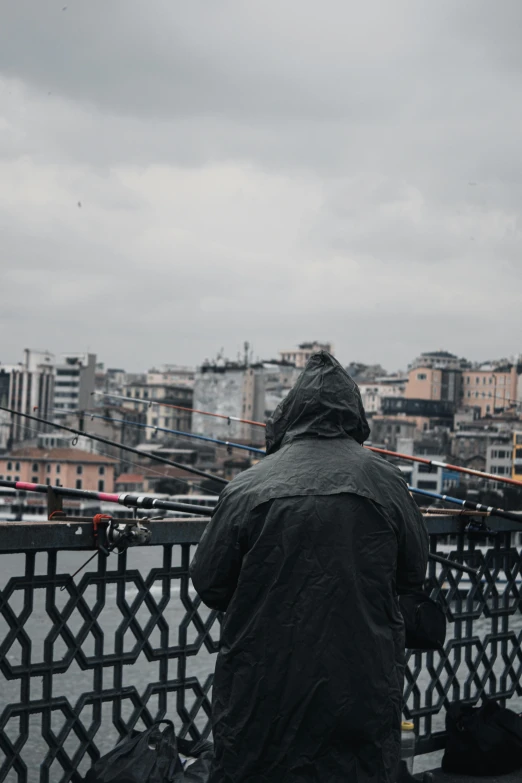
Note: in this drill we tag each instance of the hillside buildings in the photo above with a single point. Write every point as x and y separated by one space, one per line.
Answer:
443 405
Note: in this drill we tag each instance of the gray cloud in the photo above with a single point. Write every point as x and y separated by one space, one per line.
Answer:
265 171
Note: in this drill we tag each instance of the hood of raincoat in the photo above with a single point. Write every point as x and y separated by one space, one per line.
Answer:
325 403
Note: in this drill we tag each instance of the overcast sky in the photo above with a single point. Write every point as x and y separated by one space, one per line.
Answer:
263 170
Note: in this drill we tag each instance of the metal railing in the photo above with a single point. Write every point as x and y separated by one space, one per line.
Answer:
84 661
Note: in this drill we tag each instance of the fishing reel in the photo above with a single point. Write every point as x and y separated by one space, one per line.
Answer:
121 535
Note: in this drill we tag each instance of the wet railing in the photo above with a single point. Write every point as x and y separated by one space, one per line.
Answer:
84 661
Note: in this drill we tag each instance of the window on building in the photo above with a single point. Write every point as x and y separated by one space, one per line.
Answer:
8 478
79 470
518 470
494 469
78 483
421 376
501 470
488 408
518 453
484 379
9 466
35 479
48 482
48 469
17 466
58 469
101 470
35 467
154 422
17 478
502 455
467 379
477 380
426 469
101 485
426 485
490 379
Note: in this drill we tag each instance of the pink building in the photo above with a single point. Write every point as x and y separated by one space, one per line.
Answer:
68 467
431 383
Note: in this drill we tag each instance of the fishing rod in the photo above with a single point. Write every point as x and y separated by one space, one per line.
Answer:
436 464
514 404
142 501
489 510
183 434
129 499
386 452
150 502
375 449
146 469
149 403
107 442
448 498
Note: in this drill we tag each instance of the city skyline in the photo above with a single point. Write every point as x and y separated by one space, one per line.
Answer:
143 366
361 184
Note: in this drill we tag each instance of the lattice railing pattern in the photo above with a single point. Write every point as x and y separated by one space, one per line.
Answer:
84 661
69 731
483 651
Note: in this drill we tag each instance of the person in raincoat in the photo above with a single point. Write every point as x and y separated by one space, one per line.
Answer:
306 554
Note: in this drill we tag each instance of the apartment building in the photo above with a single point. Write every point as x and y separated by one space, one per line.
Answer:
74 384
68 467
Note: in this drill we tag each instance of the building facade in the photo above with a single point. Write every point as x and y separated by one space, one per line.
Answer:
230 389
492 390
300 355
499 460
30 390
279 377
430 383
517 456
74 384
439 360
173 375
68 467
373 394
5 418
159 397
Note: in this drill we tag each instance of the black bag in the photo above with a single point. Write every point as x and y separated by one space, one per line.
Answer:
424 621
481 741
152 756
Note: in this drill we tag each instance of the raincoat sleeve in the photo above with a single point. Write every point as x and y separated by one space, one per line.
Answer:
216 565
413 545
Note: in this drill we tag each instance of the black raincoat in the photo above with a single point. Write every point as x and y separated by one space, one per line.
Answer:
306 553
